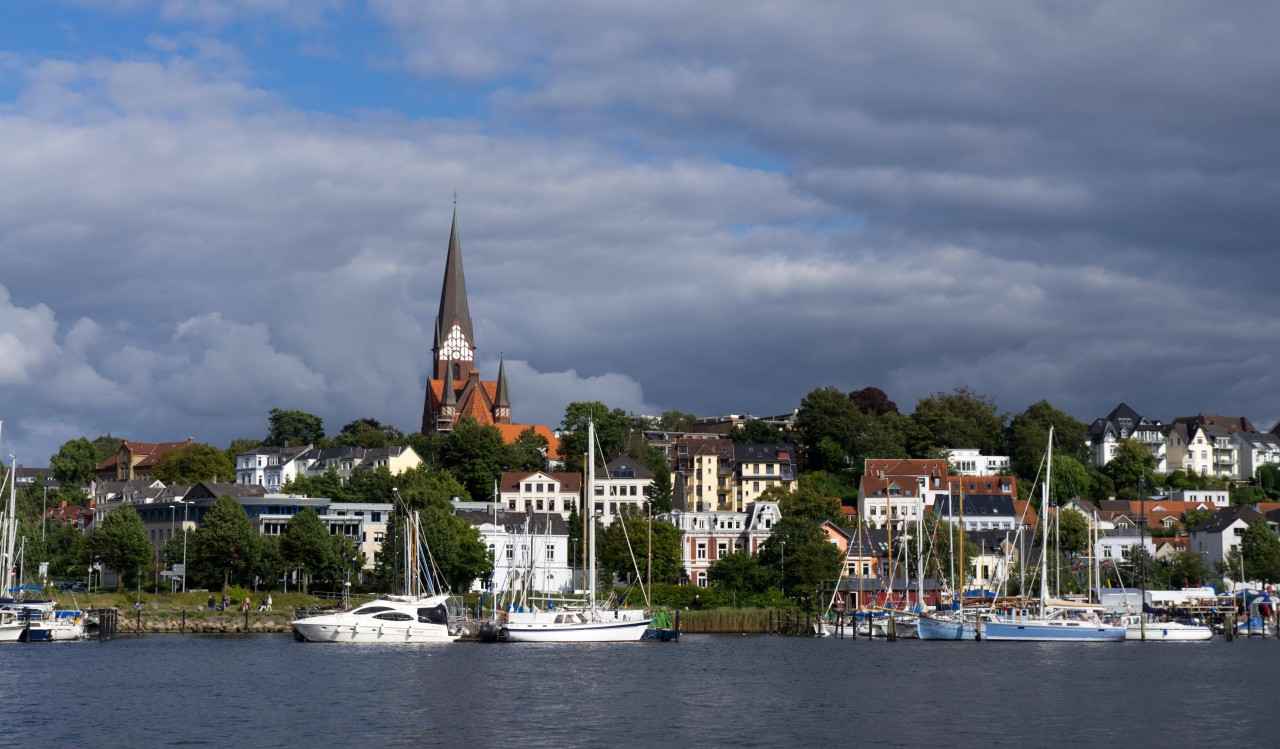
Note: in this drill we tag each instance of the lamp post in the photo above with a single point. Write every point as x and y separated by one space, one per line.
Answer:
184 544
44 515
784 568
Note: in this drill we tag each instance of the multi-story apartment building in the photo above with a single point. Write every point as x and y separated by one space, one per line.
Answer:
716 474
624 483
708 535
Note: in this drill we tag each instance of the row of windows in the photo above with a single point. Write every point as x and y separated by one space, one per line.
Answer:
618 491
509 551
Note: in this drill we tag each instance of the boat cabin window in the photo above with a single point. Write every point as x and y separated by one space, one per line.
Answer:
437 615
394 616
371 610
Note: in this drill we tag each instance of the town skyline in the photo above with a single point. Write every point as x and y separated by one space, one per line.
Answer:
214 209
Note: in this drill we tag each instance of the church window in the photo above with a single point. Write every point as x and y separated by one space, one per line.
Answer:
457 372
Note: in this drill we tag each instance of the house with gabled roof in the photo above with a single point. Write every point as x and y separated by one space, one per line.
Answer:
1256 450
527 548
1105 434
540 492
1217 536
135 460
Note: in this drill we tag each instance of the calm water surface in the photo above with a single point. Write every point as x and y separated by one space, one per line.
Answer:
269 691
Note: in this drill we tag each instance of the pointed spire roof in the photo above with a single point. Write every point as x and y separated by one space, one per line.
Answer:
502 401
449 397
453 294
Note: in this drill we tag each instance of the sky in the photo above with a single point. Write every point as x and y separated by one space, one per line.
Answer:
213 208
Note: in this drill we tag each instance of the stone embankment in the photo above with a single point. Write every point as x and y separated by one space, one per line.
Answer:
173 622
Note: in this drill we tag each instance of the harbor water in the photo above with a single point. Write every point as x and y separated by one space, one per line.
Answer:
709 690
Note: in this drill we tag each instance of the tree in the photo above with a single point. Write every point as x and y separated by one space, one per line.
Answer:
804 501
305 545
68 551
1029 436
660 490
74 462
874 401
740 572
1193 518
676 421
612 429
192 464
455 547
616 555
1132 462
799 553
1073 531
293 428
225 541
474 453
1260 548
756 432
1071 479
1269 479
121 542
420 489
240 445
827 413
828 455
368 433
1187 568
528 452
959 419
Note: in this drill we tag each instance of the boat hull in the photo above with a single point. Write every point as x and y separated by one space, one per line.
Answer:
1166 632
1053 630
946 629
599 626
331 630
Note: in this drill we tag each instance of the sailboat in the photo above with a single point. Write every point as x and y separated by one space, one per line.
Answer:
588 621
954 627
1056 621
408 618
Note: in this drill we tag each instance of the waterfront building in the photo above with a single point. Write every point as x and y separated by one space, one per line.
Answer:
529 550
707 535
717 475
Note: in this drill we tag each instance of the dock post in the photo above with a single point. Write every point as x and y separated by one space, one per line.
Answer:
183 627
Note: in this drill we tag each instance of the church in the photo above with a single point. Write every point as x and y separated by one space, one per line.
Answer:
455 390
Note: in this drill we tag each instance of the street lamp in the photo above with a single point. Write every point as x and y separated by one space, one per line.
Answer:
784 568
184 544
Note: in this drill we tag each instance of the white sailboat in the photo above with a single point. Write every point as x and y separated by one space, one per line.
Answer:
1056 621
589 622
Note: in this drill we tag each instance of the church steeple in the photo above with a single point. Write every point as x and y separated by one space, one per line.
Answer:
454 340
501 403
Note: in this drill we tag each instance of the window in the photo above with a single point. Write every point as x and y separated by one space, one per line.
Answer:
755 469
702 550
722 548
769 469
528 488
755 486
599 491
551 552
511 503
539 487
702 578
551 505
539 504
511 551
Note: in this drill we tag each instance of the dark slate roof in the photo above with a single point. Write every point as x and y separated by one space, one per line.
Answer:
628 468
989 539
764 453
976 505
514 522
1257 440
1228 424
215 490
290 452
1223 518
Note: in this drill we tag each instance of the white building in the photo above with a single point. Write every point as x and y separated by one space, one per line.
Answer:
530 551
269 467
1217 536
540 492
1213 497
624 483
1113 544
1256 450
708 535
971 462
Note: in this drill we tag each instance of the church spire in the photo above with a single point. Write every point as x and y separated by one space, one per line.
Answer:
502 404
454 340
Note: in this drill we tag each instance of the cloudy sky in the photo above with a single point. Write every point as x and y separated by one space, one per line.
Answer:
210 208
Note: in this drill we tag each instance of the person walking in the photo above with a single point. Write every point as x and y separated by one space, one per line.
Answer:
268 602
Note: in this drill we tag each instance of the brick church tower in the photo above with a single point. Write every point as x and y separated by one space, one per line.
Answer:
455 389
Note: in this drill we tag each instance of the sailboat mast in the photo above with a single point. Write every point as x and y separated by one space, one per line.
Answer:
590 516
1044 522
962 567
920 555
